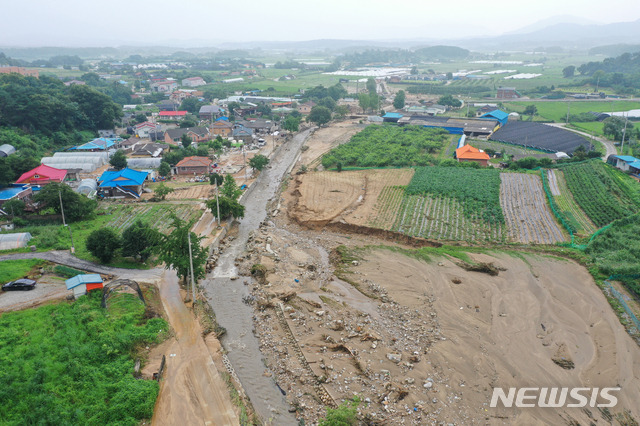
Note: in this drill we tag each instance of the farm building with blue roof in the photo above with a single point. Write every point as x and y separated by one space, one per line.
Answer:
81 284
496 114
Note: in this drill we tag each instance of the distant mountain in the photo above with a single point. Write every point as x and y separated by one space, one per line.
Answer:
554 20
569 36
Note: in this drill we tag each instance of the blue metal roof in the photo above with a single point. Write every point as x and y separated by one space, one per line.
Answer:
627 158
635 164
82 279
124 177
501 116
392 115
98 143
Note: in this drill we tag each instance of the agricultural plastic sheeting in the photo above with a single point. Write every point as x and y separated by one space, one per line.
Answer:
6 150
539 136
143 163
74 159
12 241
85 167
87 186
102 155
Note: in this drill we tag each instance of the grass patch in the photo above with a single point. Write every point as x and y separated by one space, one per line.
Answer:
72 363
14 269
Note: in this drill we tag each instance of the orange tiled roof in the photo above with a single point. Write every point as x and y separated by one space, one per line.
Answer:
469 152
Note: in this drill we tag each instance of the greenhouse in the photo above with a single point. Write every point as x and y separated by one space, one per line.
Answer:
85 161
87 187
13 241
143 163
6 150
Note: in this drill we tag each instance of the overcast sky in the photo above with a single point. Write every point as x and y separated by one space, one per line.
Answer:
207 22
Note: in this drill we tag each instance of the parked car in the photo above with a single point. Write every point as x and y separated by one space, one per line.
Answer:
21 284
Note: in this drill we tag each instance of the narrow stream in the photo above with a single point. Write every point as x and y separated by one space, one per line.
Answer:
225 295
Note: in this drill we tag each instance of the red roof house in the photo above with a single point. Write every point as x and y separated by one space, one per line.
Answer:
193 165
470 153
174 115
42 175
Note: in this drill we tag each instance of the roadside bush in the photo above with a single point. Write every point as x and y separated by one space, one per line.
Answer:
103 243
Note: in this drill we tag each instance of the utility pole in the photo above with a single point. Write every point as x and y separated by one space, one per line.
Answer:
244 155
193 281
73 249
568 107
217 204
624 131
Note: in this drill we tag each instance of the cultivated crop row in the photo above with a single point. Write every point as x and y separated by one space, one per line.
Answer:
528 218
597 193
427 216
477 190
158 216
567 206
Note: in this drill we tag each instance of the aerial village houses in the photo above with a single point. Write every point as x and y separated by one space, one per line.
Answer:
197 134
193 166
143 130
222 127
172 115
164 86
125 183
242 133
305 108
209 112
193 82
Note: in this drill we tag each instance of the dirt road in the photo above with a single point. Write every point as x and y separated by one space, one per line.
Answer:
192 392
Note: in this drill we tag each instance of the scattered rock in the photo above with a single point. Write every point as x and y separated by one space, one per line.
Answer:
394 357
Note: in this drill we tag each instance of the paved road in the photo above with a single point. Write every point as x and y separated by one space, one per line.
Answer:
225 294
608 145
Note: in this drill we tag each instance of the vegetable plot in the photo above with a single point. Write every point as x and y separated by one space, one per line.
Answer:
388 146
567 206
157 215
601 193
477 190
525 208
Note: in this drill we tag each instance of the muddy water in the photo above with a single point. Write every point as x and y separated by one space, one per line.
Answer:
225 295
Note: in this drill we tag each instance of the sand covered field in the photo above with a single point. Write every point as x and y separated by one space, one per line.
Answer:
426 341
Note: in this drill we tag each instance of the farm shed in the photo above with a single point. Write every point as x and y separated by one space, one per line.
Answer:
391 117
13 241
81 284
496 114
539 136
6 150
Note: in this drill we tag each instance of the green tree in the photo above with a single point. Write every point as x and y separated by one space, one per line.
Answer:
118 160
258 162
364 102
614 127
76 206
531 111
191 104
291 124
569 71
139 241
165 169
230 188
228 207
99 109
449 75
202 151
327 102
103 243
161 191
341 111
173 250
185 140
14 207
398 101
371 86
319 115
216 178
337 91
414 70
449 100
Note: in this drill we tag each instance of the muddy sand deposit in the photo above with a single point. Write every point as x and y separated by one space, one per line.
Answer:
424 342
